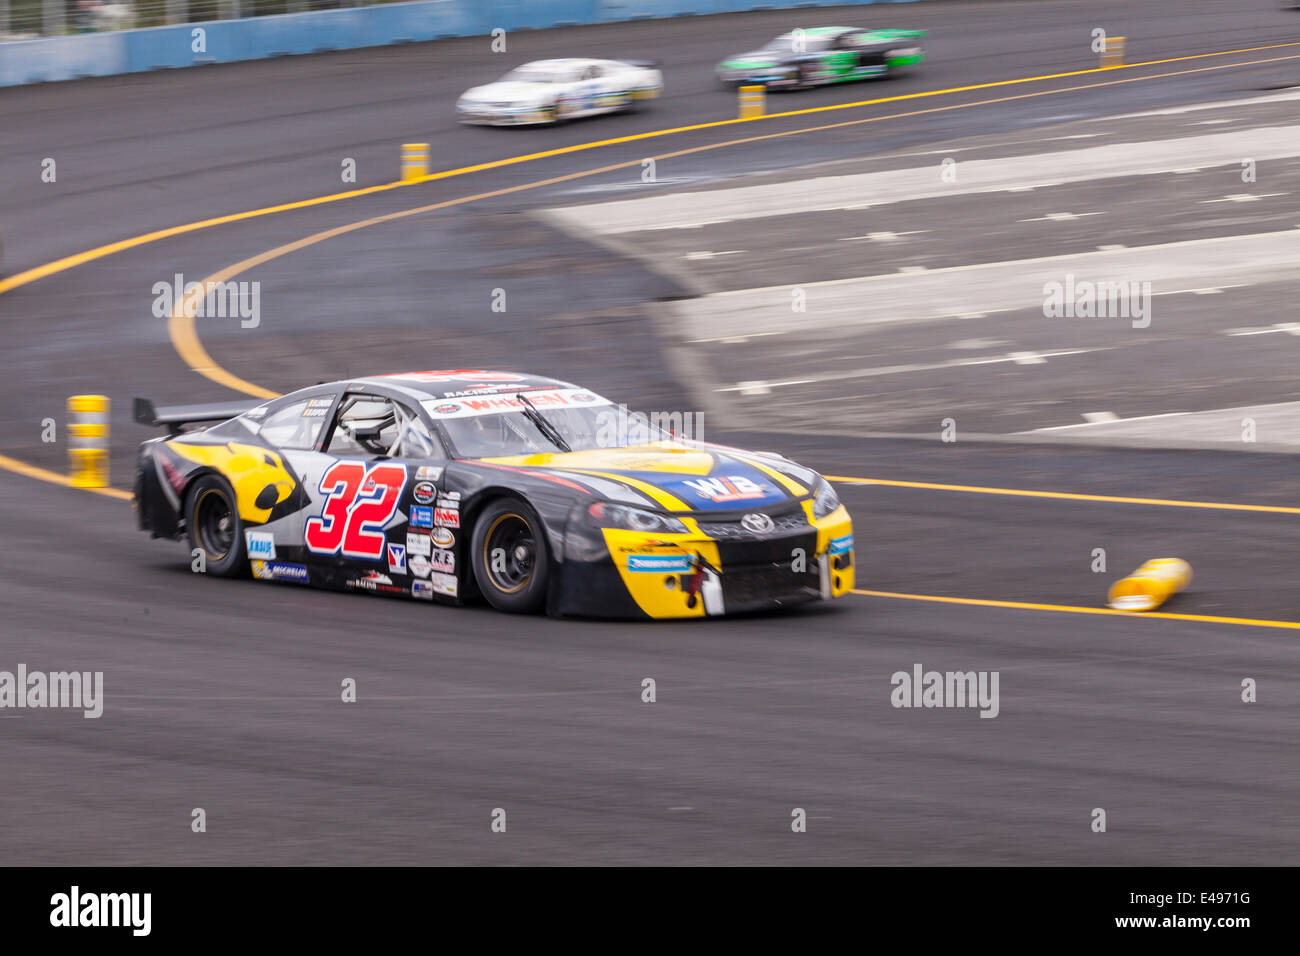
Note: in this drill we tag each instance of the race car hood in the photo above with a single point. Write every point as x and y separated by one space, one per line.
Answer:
675 477
511 91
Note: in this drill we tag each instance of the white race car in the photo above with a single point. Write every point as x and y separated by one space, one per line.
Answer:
550 91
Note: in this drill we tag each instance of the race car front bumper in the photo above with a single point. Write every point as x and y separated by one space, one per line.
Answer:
717 568
502 115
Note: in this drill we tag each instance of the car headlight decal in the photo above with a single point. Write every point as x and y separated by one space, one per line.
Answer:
825 499
607 514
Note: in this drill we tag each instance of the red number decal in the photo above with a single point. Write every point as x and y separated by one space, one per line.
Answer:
358 503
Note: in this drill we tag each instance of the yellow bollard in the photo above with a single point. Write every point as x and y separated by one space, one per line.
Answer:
1113 54
753 101
415 161
1150 585
88 440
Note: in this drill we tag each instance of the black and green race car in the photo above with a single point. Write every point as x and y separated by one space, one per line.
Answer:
824 55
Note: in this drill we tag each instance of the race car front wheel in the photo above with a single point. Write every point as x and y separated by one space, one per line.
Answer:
510 557
215 527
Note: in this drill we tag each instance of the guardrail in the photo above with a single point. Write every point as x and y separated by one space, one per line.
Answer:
226 41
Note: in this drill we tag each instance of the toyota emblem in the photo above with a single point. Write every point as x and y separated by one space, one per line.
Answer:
757 523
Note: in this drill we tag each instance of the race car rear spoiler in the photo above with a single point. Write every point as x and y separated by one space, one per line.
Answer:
175 417
647 64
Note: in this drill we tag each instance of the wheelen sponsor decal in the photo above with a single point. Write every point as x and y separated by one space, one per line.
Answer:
360 500
397 558
730 490
424 493
659 563
261 545
542 399
279 571
418 544
421 517
443 537
841 544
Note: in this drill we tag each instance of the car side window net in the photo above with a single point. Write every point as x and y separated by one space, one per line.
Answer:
413 439
366 425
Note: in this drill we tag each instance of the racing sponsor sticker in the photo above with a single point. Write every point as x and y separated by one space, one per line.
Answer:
443 583
397 558
841 545
446 517
659 563
443 561
418 544
428 473
726 488
261 545
442 537
424 492
374 581
469 406
421 517
419 565
279 571
422 590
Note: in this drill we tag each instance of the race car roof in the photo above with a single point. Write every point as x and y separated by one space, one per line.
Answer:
453 383
559 65
819 32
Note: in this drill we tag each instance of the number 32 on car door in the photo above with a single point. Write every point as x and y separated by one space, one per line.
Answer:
360 500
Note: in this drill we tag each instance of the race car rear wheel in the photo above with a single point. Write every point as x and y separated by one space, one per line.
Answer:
215 527
510 557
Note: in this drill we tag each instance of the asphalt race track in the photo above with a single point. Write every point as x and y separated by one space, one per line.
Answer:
225 695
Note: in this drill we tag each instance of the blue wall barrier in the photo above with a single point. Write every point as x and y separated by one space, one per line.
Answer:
226 41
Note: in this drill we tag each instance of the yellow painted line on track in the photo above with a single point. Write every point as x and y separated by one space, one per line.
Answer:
54 478
1074 609
186 341
184 335
99 252
897 98
69 262
185 338
1066 496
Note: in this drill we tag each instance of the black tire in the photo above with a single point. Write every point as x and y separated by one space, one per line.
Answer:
215 527
516 581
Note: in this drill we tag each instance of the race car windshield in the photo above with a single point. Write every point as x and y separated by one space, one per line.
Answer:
805 44
477 428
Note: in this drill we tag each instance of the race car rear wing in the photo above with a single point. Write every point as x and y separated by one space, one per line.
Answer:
175 417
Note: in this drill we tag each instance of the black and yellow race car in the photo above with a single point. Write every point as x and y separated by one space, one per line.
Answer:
532 493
